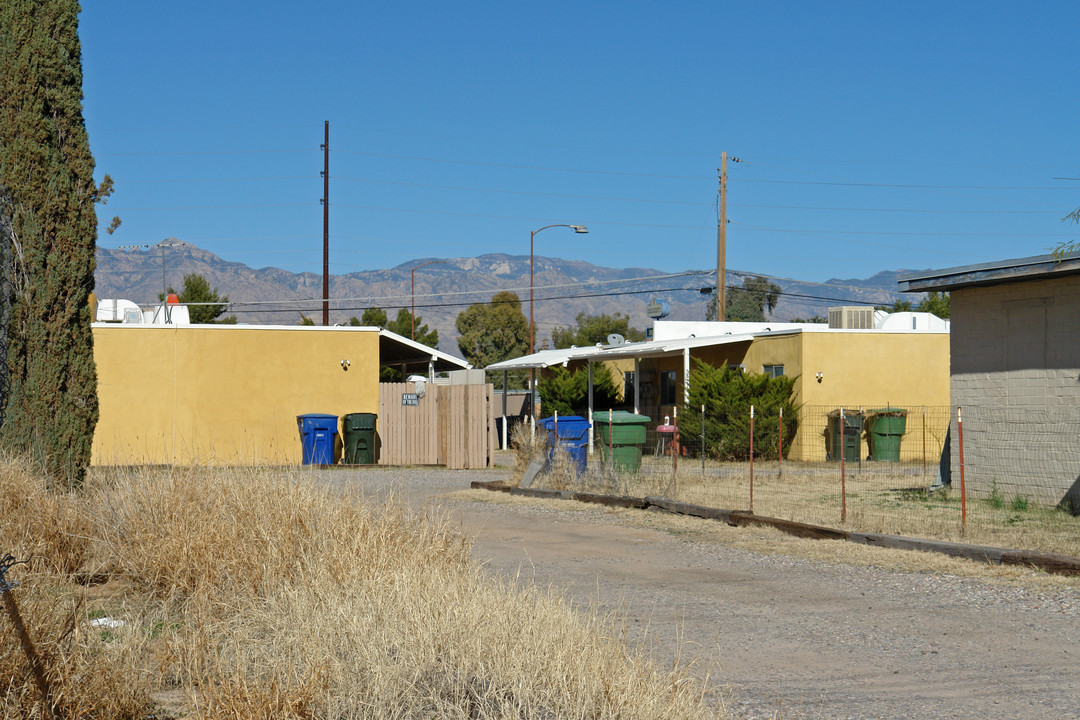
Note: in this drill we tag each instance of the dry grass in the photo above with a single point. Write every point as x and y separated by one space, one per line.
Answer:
886 497
263 594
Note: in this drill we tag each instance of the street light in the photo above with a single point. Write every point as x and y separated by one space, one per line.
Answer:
412 311
532 327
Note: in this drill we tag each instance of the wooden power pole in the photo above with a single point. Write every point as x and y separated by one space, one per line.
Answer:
326 226
721 242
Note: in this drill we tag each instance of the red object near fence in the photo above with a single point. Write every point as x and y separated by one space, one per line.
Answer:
963 489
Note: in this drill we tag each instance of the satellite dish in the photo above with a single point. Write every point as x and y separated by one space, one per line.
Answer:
615 339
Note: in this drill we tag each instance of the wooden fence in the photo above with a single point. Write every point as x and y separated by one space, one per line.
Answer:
451 425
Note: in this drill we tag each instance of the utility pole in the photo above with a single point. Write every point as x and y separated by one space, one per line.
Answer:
721 243
326 226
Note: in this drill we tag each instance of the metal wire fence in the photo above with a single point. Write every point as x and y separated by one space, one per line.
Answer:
969 475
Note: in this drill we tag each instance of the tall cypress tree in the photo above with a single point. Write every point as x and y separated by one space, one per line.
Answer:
50 233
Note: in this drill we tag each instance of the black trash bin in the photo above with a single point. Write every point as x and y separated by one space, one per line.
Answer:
849 438
358 432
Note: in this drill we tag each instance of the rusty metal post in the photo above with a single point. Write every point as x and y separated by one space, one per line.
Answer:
963 488
843 481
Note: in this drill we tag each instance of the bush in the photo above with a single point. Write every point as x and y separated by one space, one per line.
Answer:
563 391
727 395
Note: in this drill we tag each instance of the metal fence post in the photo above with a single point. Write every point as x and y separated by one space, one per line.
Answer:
751 458
963 488
780 445
843 452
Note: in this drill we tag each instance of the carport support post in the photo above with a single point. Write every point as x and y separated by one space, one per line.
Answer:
532 401
637 386
504 445
590 409
686 375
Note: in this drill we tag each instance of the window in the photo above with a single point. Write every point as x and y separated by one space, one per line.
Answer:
628 385
773 371
667 387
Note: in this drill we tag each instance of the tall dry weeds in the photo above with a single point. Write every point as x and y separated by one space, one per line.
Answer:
255 593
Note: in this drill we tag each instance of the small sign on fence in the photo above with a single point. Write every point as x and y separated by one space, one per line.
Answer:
410 399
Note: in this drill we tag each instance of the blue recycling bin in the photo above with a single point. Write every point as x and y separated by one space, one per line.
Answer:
318 435
572 435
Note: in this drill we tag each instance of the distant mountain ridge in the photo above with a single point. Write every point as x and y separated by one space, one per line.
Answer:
562 289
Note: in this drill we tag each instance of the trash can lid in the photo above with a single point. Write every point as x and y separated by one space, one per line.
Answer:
620 417
316 416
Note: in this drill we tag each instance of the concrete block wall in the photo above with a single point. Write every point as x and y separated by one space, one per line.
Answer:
1015 352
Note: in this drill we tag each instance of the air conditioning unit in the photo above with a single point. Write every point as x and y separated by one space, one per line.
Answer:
851 317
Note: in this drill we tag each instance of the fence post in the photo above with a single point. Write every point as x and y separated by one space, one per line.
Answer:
780 445
963 489
703 443
675 444
924 440
751 458
843 452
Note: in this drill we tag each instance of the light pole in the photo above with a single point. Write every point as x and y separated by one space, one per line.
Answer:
532 235
532 326
412 311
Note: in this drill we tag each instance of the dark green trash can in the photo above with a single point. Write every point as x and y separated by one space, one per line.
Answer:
358 433
621 434
851 438
886 428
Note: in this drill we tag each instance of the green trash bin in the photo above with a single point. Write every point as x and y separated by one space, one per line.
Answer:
852 435
886 427
358 433
620 434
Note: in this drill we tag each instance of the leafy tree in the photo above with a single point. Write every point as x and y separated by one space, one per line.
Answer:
372 317
935 302
748 303
567 393
1073 245
727 395
592 329
898 306
491 332
49 224
305 320
197 290
811 319
403 325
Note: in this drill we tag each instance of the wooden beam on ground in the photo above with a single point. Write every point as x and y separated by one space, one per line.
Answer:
681 508
1048 562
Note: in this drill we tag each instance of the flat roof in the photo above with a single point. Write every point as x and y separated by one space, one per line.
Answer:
662 348
394 350
1037 267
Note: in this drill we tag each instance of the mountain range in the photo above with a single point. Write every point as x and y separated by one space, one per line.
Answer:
562 289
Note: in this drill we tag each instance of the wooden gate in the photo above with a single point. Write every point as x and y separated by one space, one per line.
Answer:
452 425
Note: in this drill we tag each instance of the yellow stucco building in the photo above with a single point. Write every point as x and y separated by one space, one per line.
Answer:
860 370
230 394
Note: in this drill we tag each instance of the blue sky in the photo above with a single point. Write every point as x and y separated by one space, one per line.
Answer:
872 136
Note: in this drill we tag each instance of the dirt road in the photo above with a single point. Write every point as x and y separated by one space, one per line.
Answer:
790 637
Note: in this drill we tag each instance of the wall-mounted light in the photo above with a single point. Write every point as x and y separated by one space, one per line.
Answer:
820 376
345 365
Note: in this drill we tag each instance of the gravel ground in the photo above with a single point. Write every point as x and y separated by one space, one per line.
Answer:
780 636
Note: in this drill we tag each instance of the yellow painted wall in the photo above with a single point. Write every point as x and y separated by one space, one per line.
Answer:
861 370
222 394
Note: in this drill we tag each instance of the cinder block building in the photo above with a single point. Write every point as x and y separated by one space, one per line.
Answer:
1015 373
